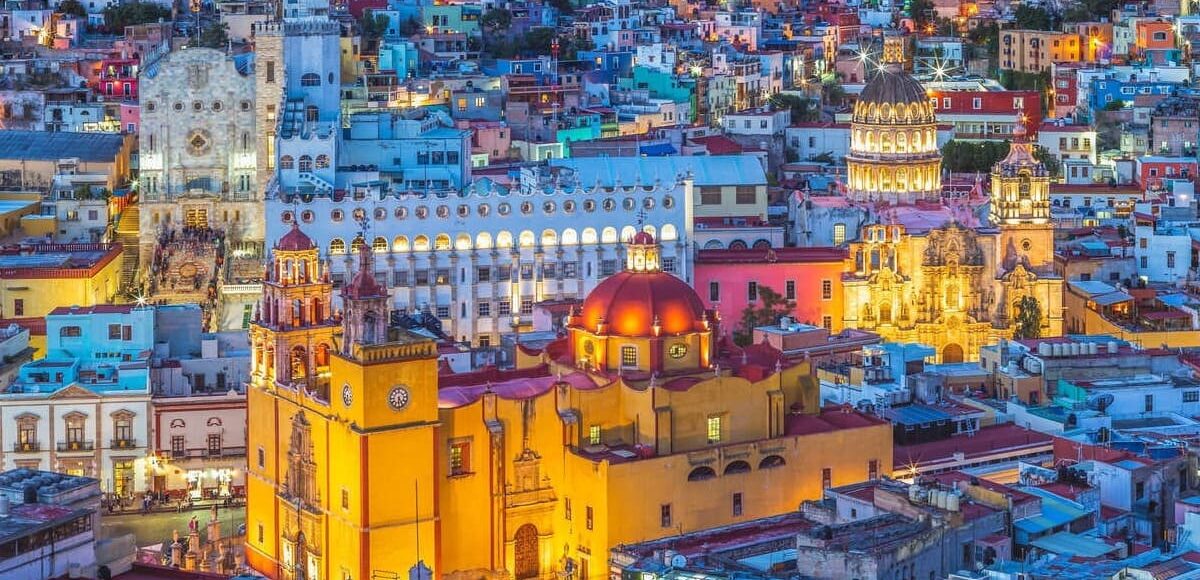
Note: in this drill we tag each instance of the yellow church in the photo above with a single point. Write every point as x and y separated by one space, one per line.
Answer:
943 270
366 462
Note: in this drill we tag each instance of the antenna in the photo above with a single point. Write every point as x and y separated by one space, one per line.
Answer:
641 218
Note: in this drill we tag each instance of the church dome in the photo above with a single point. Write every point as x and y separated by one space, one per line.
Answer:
893 96
631 302
295 241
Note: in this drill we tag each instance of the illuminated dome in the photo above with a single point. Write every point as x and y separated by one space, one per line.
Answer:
628 303
295 241
893 96
631 302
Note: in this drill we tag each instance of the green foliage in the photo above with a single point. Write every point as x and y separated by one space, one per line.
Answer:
215 36
373 26
564 7
803 109
922 12
1032 18
73 8
1089 10
535 42
1114 105
833 92
769 308
410 27
1053 165
117 17
496 20
968 157
1027 320
986 37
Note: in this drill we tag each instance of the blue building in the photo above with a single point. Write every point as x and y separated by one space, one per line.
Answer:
1105 91
617 61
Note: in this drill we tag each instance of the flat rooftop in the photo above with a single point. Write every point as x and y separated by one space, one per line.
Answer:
55 145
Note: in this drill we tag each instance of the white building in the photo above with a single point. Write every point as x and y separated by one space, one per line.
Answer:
1164 251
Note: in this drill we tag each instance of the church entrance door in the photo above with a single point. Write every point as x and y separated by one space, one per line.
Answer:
525 552
195 217
952 353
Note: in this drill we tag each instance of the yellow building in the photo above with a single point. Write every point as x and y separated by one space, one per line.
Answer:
40 278
637 425
942 271
1034 51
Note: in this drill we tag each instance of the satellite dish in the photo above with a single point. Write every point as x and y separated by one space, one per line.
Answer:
678 561
1100 402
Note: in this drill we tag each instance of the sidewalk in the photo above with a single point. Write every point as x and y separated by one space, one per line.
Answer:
135 507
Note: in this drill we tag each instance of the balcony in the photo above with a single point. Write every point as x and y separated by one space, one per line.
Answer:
27 447
203 452
123 443
68 446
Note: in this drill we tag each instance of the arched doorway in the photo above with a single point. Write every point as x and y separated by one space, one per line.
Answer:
525 552
952 353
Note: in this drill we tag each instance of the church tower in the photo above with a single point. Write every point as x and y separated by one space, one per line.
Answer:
1020 205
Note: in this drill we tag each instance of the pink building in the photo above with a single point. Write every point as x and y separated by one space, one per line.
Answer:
488 137
1151 170
809 278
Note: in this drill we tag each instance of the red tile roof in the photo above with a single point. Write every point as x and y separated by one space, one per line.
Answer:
831 418
718 145
988 440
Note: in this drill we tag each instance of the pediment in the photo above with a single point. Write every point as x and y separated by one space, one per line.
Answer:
74 392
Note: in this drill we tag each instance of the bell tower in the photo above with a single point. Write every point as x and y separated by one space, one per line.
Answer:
1020 204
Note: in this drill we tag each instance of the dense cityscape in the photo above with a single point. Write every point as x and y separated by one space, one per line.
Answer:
599 289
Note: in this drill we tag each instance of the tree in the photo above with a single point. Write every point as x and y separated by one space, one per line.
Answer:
767 310
496 20
73 8
373 26
1032 18
1028 318
215 36
922 13
803 109
1052 164
117 17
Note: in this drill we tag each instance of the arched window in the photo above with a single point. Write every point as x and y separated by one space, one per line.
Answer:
549 238
761 245
526 240
311 113
608 235
771 461
627 233
713 245
310 80
702 473
737 245
380 245
462 242
504 240
483 241
400 244
569 237
322 161
588 236
306 163
441 242
286 162
357 244
737 467
668 233
337 246
421 244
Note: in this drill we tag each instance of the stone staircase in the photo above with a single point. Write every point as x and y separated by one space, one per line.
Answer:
319 184
127 236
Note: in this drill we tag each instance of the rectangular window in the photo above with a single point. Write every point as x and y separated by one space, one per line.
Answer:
1170 259
422 277
505 308
260 533
214 444
570 270
714 429
483 274
839 234
1191 396
589 517
746 194
1149 402
714 291
485 308
179 449
752 291
114 332
608 267
737 504
710 195
526 271
1142 262
1140 490
504 273
827 478
976 103
629 356
262 458
270 79
594 435
460 458
873 469
827 322
668 265
789 290
548 271
18 307
526 306
567 508
126 332
664 515
826 289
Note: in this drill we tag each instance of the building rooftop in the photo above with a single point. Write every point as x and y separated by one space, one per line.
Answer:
1004 438
55 145
705 170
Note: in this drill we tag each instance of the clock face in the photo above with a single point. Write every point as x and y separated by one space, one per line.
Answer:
398 398
347 395
678 350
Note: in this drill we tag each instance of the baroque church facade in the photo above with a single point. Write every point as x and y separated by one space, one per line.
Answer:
368 460
944 270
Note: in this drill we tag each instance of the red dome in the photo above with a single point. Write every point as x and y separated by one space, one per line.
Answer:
629 302
643 238
295 241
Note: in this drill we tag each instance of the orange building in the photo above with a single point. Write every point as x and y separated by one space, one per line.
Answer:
639 424
1033 51
1153 35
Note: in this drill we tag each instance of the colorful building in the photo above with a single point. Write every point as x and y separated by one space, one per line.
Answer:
1034 51
810 279
594 441
35 280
